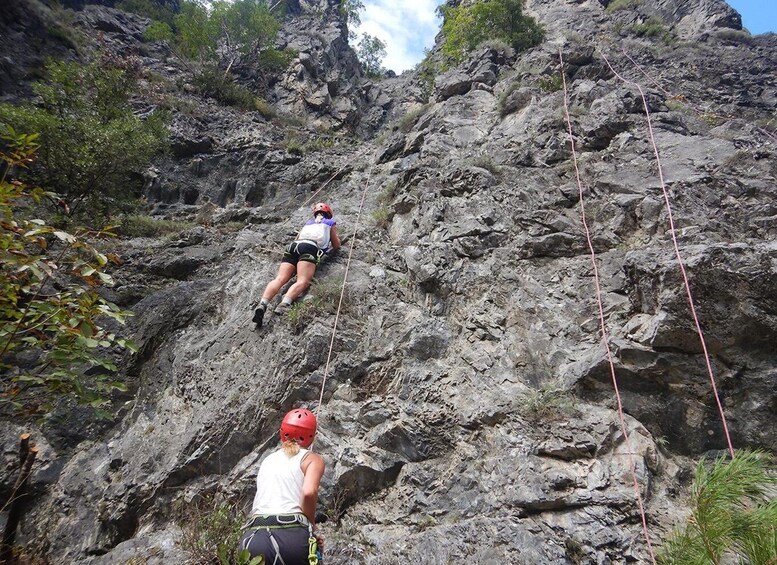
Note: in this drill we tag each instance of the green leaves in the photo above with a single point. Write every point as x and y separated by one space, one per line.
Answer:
239 27
371 51
466 27
51 318
92 144
733 514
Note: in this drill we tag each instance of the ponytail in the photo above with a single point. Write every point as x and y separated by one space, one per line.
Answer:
290 447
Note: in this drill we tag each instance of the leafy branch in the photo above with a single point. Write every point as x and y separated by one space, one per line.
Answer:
52 318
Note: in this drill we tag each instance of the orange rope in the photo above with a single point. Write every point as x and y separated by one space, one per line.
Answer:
342 293
680 263
605 338
323 186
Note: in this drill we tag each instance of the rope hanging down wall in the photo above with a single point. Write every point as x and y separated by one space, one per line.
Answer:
342 292
678 255
602 324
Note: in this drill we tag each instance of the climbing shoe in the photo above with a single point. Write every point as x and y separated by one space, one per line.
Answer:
282 308
259 314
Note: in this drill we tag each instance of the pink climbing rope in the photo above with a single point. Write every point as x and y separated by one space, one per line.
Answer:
603 325
342 293
680 263
669 94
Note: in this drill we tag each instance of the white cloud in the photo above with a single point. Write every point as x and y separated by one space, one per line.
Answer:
405 26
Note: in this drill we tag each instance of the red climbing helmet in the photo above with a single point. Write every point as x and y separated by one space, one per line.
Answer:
323 207
299 425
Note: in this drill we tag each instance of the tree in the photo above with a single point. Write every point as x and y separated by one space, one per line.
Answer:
223 35
93 146
52 319
733 515
466 27
371 51
351 10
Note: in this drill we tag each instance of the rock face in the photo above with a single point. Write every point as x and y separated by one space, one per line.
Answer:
468 407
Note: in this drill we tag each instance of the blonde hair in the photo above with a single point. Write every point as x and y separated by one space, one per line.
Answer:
290 447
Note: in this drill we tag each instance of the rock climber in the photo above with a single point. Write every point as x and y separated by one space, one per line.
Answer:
316 238
281 526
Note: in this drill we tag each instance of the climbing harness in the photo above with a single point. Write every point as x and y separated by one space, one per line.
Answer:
268 523
602 324
276 520
680 262
303 250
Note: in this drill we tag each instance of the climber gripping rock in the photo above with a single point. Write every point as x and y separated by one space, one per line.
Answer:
316 238
283 515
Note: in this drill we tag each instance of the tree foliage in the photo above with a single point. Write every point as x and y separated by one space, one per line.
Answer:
93 145
225 32
733 515
351 10
221 36
371 51
466 27
51 316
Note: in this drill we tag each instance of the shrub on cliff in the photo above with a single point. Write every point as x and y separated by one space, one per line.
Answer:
53 335
222 35
466 27
93 146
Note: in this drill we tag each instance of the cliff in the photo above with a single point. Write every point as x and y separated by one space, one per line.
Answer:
468 409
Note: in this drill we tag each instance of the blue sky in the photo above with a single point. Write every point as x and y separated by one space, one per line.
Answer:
758 16
405 26
409 26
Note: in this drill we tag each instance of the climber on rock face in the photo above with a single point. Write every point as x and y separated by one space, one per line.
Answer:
281 527
316 238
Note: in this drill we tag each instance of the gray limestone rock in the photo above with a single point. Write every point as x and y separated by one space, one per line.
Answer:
467 395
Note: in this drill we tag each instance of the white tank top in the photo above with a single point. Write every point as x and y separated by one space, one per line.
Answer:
279 484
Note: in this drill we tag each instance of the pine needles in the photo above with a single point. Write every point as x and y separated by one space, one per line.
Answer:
733 516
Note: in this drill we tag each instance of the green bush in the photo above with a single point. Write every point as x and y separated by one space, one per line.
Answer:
427 71
137 225
547 403
733 514
504 97
487 162
212 82
552 83
617 5
263 107
651 27
735 36
52 331
382 217
158 31
324 298
371 51
407 121
224 32
350 12
466 27
211 533
93 145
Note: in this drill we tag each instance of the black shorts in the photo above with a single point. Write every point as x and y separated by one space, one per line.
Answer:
302 251
293 544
